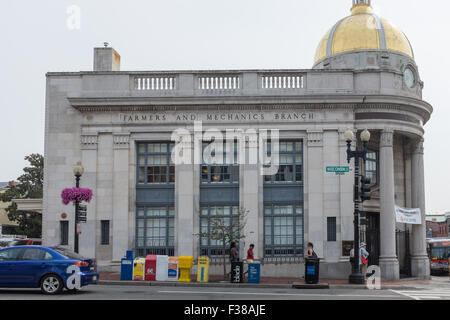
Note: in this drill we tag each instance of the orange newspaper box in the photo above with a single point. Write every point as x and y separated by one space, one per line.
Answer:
150 268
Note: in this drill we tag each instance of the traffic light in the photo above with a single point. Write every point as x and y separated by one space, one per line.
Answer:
365 189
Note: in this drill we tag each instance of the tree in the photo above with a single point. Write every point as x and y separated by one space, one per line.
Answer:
30 186
226 230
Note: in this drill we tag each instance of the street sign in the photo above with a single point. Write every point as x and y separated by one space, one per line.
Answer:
338 170
82 214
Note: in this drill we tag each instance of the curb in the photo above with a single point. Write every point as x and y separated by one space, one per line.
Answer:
255 286
192 284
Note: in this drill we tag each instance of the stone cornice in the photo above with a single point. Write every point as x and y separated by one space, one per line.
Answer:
310 102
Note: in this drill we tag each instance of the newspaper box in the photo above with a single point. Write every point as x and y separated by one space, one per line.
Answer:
162 268
138 269
150 268
185 264
172 273
203 269
254 273
126 269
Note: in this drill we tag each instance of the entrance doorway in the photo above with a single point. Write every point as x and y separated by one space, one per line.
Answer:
373 237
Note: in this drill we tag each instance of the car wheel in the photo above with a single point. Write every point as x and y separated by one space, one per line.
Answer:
51 284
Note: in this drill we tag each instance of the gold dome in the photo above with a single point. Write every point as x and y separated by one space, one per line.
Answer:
363 30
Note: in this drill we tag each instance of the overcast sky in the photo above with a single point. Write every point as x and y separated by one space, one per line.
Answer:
201 34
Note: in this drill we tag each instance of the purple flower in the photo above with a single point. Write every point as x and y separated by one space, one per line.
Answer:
76 194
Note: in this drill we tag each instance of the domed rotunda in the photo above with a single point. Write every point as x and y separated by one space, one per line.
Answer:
364 40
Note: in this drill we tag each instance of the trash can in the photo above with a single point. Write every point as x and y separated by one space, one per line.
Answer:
172 273
150 267
162 268
126 267
185 264
254 273
312 271
203 269
138 269
237 272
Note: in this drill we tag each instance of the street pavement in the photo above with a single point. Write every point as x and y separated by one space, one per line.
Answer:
112 292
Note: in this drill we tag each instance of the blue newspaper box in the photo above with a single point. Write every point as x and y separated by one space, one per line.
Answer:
130 255
126 267
254 273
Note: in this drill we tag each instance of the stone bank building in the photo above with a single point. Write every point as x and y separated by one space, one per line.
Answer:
119 124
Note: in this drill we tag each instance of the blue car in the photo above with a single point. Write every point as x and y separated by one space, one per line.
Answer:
48 268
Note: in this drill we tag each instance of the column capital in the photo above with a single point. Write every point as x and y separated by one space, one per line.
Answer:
387 138
121 140
417 146
89 141
315 138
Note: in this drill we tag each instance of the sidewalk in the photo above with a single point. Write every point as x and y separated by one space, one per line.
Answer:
113 278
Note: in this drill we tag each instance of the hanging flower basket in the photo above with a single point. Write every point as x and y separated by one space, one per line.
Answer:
69 195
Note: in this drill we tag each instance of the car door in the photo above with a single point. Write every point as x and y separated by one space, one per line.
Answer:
32 265
8 262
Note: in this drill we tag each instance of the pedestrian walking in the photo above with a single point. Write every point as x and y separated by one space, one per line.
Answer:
250 254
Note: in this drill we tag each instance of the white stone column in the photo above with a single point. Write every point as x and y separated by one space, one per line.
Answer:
314 187
389 265
249 200
120 195
185 182
88 239
420 264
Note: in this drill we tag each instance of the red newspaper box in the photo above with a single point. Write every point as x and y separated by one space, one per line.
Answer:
150 268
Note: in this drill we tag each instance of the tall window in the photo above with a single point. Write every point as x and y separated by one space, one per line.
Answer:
104 232
155 228
228 172
283 230
291 163
155 164
371 167
331 228
210 247
283 203
64 229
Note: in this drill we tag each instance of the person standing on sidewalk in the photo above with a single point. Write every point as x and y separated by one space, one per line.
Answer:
363 256
234 253
310 254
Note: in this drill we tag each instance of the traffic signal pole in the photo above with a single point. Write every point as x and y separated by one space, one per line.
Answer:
359 196
77 206
356 277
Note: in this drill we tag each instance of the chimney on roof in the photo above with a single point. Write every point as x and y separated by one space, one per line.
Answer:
106 59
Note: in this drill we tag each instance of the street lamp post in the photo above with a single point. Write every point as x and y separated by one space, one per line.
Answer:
356 277
78 171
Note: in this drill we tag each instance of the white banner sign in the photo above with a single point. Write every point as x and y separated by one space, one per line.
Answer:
411 216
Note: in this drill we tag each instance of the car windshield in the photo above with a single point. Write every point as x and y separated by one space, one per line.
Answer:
439 253
68 253
19 243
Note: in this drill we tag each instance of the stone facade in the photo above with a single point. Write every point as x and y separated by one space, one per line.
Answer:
99 118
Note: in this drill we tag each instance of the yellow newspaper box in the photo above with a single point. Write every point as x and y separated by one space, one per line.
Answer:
203 269
185 265
138 269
